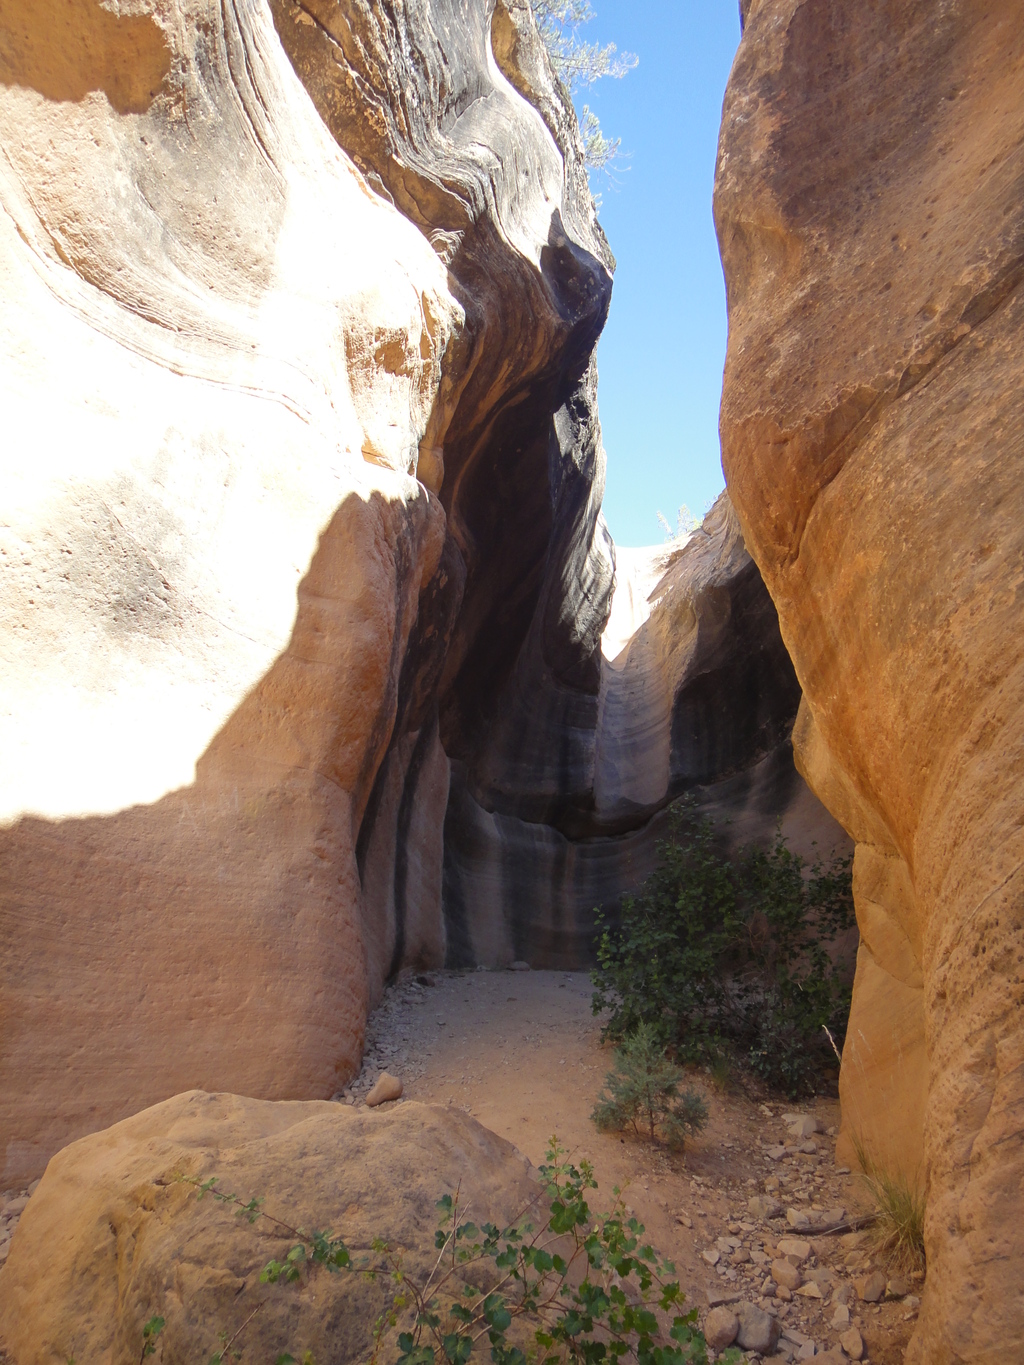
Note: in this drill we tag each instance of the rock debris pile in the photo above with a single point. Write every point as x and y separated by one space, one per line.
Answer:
798 1279
390 1044
13 1204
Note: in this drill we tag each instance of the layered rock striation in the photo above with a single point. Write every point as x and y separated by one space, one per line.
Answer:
254 325
870 216
561 807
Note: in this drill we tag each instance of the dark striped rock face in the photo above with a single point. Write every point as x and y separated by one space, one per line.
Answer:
304 575
559 805
871 221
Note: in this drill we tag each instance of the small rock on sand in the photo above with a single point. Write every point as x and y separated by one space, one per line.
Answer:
872 1288
763 1206
387 1087
852 1343
795 1249
720 1328
810 1290
803 1125
716 1297
758 1330
785 1273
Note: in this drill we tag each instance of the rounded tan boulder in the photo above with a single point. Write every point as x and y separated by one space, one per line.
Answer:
784 1272
721 1327
112 1237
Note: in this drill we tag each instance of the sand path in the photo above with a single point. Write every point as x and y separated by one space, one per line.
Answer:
521 1052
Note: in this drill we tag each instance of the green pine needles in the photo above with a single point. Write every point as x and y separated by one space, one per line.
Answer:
579 64
732 955
642 1092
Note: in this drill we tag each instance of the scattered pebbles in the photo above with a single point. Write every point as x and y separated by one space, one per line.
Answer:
774 1262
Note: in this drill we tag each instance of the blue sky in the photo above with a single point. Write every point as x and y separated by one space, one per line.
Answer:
662 352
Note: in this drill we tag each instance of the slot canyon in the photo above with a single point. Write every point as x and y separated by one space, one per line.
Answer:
320 664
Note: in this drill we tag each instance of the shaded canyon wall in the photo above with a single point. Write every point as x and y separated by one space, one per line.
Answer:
560 806
870 210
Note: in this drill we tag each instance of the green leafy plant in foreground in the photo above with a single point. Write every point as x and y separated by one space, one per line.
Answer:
150 1332
642 1092
578 1287
719 953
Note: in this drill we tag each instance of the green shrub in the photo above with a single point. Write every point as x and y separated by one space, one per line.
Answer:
642 1092
718 952
577 1288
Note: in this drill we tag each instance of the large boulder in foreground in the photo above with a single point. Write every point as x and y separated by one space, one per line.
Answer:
871 221
110 1238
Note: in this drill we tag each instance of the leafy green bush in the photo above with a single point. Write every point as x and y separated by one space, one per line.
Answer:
642 1092
577 1289
716 952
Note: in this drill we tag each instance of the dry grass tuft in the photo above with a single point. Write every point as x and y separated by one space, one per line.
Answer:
898 1231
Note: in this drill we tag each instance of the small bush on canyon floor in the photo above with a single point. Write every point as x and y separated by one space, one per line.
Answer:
720 953
898 1229
576 1288
642 1092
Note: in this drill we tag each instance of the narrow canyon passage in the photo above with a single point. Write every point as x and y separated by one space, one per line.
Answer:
325 686
521 1051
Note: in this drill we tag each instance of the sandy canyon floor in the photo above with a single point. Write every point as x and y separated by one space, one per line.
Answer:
522 1052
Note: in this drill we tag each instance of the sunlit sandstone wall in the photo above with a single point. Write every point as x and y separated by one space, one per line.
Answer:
871 218
229 364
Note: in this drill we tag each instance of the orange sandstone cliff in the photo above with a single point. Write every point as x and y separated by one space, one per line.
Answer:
871 218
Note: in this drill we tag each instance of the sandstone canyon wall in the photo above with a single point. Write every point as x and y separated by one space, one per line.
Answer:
302 532
870 210
559 806
231 364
